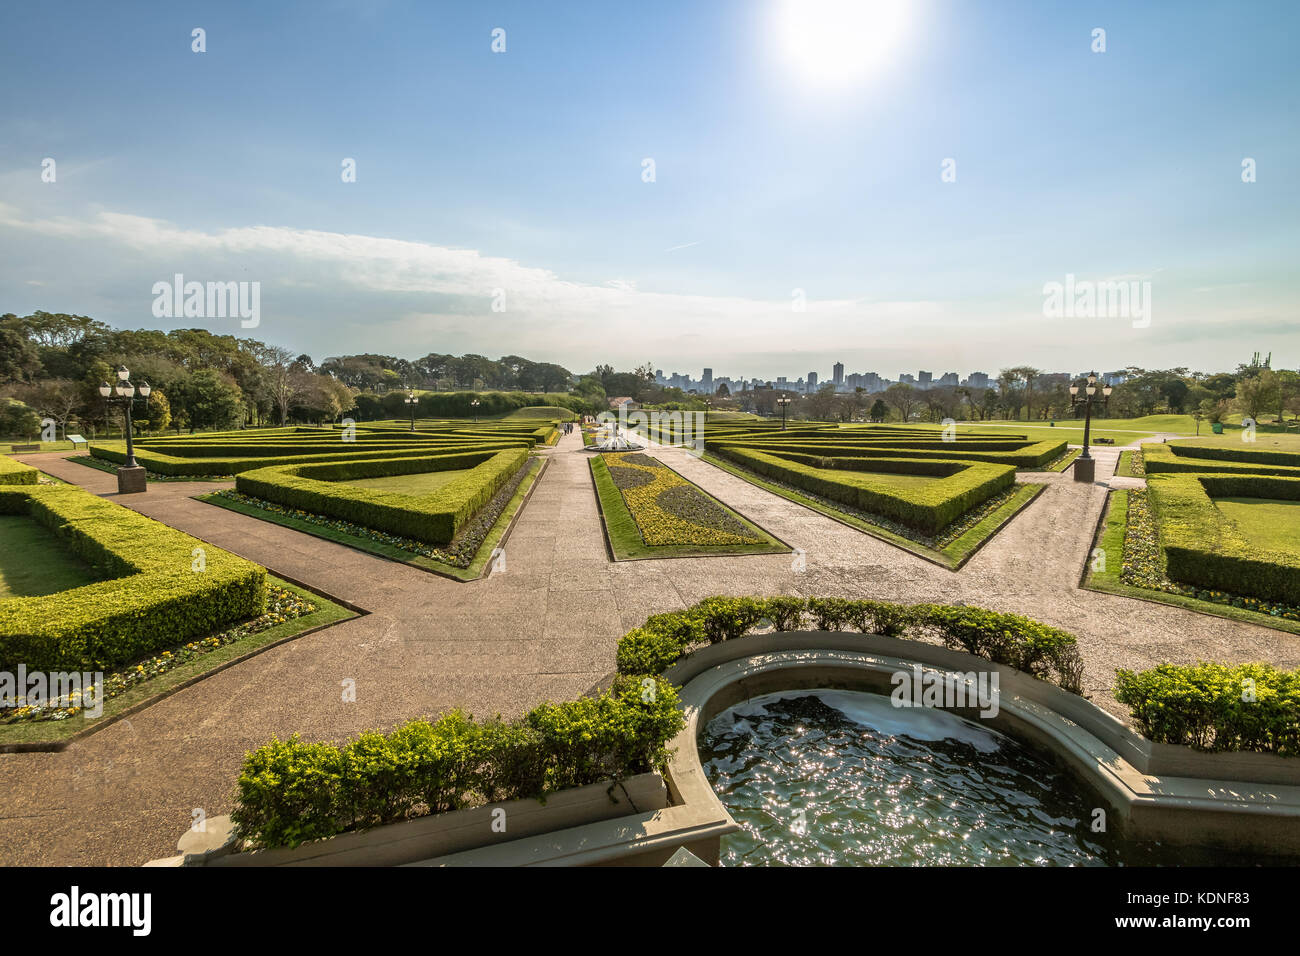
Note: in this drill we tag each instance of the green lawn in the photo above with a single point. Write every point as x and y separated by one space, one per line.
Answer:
1264 440
1268 523
1069 431
892 480
7 447
33 562
418 484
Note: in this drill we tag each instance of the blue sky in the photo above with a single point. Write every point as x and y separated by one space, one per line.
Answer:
522 171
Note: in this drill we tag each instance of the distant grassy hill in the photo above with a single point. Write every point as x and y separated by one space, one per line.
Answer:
542 412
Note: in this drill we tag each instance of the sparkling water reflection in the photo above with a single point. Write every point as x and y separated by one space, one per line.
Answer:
830 777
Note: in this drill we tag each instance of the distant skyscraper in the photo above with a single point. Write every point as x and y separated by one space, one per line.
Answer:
838 374
924 379
706 383
812 381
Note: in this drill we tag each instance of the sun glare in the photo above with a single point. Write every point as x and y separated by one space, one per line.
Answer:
835 44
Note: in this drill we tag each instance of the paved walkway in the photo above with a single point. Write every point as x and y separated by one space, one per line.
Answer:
546 628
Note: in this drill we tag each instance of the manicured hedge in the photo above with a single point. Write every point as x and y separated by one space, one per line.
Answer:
929 509
154 597
216 460
1045 652
1159 458
290 792
1216 706
1017 454
321 489
16 473
1202 547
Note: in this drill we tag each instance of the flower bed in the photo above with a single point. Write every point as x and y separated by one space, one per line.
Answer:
668 509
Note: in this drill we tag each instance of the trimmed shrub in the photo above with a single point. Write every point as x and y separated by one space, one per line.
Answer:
1037 649
1215 707
322 489
959 485
785 613
16 473
1027 645
154 596
292 792
1159 457
1203 547
724 618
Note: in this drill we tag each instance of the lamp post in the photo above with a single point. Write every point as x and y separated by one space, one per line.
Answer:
474 403
131 476
1085 466
783 401
412 401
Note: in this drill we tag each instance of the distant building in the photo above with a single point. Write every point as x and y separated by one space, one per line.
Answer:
837 374
906 378
977 380
812 381
924 379
949 380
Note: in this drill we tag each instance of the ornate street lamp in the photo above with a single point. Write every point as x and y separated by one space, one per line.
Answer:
1085 466
474 405
131 476
783 401
412 401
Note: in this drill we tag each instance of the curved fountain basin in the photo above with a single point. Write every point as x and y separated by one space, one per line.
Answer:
1152 792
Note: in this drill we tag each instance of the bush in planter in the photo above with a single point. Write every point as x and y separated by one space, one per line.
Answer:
292 792
785 613
882 617
1033 647
1202 706
726 618
289 793
830 614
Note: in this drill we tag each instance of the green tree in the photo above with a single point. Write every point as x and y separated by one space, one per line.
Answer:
212 400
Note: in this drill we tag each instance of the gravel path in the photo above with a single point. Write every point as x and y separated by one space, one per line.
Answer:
545 628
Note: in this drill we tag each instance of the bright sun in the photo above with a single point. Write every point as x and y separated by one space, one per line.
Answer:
833 44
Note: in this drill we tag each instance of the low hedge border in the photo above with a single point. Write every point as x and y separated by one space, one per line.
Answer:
1163 458
155 596
1039 650
16 473
436 518
290 792
1202 547
962 485
163 464
1019 454
1216 707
